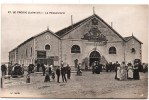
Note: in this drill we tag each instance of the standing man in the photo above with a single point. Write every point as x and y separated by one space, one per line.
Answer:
93 67
63 72
9 68
38 66
3 69
76 63
107 67
43 69
110 66
79 72
58 73
62 63
68 71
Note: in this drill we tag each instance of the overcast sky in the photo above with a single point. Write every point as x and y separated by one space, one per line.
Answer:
16 28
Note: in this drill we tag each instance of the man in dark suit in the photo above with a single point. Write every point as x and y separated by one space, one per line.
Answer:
43 68
68 71
58 74
3 69
63 72
38 66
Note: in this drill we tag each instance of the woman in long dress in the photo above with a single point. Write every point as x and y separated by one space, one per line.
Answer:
118 73
130 71
117 70
136 75
123 70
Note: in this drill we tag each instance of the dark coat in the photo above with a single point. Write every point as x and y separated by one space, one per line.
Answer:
50 71
63 70
3 68
58 72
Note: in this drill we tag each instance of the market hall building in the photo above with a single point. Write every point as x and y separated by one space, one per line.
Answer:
88 40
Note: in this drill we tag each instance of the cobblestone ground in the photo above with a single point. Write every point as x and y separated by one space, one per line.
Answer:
86 86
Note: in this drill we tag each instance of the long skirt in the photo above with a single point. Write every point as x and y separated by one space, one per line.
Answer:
130 74
123 75
136 75
118 74
47 78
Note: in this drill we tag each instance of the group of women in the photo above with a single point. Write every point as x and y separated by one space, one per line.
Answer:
124 72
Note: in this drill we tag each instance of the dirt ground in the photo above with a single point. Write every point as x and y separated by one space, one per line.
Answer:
86 86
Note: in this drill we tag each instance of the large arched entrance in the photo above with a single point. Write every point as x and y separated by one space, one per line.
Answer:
94 56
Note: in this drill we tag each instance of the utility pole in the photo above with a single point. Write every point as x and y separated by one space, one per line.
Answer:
1 82
93 10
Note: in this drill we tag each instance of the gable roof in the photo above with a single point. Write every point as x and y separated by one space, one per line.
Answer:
35 37
130 37
70 28
64 31
39 35
127 38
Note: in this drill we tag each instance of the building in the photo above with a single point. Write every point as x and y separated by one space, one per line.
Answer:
88 40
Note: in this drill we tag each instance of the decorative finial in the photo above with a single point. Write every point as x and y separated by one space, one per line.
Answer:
47 27
112 24
71 20
93 10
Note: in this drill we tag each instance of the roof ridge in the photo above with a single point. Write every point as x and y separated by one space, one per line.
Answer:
74 23
137 39
64 31
34 36
109 26
130 37
72 26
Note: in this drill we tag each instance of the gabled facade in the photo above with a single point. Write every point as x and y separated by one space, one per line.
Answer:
88 40
39 48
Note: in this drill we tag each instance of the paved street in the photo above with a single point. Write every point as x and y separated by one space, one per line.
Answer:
86 86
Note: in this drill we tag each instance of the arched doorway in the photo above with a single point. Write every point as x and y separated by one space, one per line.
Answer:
94 56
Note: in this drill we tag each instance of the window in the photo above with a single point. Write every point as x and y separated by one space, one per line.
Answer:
22 56
26 53
47 37
133 50
47 47
31 51
75 49
112 50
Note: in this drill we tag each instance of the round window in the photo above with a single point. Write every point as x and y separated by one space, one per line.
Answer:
47 37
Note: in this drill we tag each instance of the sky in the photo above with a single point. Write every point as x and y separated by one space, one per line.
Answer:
18 27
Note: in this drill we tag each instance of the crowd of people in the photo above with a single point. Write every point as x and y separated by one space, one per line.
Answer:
50 72
13 70
123 71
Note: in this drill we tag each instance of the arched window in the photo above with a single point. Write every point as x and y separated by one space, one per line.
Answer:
112 50
75 49
133 50
47 47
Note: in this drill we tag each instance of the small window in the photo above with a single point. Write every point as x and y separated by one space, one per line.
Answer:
112 50
26 53
75 49
133 50
31 51
47 47
47 37
22 56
